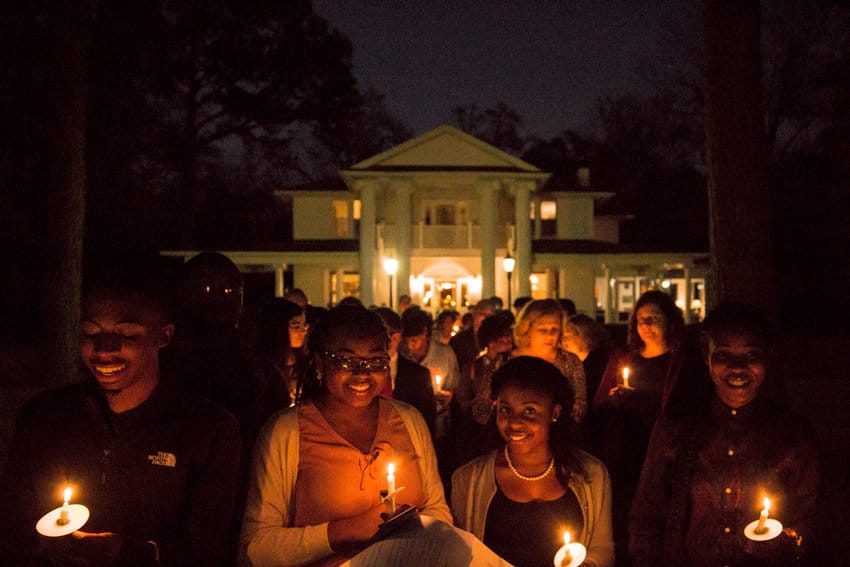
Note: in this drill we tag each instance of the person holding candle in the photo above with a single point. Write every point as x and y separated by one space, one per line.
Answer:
623 417
280 345
155 465
320 467
709 469
520 498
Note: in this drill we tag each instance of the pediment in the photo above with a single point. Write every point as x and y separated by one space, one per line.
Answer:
444 148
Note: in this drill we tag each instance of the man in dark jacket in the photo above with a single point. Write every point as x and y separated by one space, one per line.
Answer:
410 382
155 465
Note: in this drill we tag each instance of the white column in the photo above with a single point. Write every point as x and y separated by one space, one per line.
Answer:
487 196
536 205
402 235
367 241
609 298
278 280
340 284
522 195
689 297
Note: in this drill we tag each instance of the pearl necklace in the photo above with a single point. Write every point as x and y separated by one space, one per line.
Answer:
528 478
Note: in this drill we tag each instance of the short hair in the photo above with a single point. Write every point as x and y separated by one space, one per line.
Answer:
415 321
391 319
152 279
296 295
533 311
484 305
737 318
675 322
590 331
493 328
520 302
350 300
445 314
213 262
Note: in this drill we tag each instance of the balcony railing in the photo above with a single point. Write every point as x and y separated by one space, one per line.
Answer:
466 236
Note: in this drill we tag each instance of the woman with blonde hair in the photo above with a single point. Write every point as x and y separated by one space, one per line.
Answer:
537 332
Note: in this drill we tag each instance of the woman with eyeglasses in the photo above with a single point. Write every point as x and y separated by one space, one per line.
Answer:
280 345
634 390
537 332
320 467
520 498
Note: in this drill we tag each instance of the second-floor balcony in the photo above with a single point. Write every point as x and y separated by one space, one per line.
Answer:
466 236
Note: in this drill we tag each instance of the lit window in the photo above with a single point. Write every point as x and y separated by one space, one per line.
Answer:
340 214
548 210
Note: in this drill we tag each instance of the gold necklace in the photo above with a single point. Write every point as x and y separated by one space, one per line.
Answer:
528 478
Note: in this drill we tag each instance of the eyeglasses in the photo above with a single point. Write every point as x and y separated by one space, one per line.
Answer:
299 326
356 364
650 321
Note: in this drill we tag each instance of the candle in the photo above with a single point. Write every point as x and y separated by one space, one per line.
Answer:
568 558
760 527
570 554
439 380
391 486
64 511
626 377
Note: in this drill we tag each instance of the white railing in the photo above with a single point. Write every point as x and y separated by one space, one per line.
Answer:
467 236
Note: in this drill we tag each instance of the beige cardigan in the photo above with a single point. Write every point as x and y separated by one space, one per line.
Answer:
268 537
474 485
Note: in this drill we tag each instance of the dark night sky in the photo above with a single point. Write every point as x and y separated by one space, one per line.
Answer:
550 61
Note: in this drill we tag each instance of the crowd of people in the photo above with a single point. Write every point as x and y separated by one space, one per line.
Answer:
192 443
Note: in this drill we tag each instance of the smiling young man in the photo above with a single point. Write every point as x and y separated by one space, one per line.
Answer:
155 466
706 474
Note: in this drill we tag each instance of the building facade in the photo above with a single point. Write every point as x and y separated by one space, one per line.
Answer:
436 216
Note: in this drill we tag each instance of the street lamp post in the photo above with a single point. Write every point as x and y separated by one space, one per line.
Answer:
508 264
390 267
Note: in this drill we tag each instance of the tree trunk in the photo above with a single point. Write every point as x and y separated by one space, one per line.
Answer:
739 201
63 197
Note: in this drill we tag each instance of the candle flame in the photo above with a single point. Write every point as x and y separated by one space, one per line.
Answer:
391 469
626 372
67 494
566 538
439 379
766 503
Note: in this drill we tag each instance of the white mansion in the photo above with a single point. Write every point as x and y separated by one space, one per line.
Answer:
446 209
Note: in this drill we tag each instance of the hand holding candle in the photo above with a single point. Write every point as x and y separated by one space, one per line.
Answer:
64 520
764 528
570 554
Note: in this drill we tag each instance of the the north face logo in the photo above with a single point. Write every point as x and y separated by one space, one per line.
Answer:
163 459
